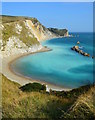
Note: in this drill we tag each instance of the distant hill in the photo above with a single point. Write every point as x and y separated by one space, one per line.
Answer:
60 32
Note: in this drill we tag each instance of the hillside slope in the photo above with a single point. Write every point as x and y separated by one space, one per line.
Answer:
21 34
84 107
19 104
79 103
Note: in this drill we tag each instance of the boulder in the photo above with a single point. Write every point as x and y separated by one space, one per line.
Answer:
76 47
80 51
86 54
78 42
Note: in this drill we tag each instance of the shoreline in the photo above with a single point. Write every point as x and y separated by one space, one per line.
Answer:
22 80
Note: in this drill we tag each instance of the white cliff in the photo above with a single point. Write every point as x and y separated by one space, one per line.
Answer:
22 35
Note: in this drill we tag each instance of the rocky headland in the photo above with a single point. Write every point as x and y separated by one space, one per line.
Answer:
23 35
19 37
59 32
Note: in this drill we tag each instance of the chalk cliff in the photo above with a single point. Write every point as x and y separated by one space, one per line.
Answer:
22 34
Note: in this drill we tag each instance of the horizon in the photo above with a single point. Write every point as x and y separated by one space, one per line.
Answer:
46 14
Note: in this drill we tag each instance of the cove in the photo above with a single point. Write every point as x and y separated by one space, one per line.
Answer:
61 66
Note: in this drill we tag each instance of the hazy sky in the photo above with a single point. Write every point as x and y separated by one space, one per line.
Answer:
76 17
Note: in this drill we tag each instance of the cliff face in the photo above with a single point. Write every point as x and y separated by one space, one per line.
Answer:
40 32
17 38
23 34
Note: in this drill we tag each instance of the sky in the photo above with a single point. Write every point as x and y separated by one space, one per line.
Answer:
74 16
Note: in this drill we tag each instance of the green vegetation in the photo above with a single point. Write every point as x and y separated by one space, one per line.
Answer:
25 38
54 105
10 30
84 107
8 19
33 87
32 100
19 104
75 93
60 32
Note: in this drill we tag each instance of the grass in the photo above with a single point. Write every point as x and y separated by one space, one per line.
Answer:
19 104
25 38
9 23
8 19
84 107
9 31
16 103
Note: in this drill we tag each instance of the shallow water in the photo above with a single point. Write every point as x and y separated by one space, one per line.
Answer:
61 66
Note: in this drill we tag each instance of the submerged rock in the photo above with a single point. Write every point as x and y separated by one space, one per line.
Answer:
92 57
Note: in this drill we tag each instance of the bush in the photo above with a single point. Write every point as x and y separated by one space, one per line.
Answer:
33 87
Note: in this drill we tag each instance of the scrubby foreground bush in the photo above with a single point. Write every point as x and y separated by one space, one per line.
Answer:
33 87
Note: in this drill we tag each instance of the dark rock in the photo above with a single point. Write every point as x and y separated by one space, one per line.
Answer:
92 57
76 48
60 32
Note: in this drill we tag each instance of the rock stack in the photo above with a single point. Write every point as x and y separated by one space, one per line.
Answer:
76 48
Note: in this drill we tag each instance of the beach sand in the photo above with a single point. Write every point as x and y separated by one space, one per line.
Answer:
22 80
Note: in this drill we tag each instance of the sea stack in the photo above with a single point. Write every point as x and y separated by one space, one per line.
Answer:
76 48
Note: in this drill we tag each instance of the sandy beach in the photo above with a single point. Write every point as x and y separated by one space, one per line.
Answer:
22 80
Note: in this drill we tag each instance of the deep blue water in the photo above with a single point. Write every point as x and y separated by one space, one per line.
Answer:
61 66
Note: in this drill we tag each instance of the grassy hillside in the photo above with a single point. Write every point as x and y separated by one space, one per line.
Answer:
19 104
25 31
84 107
10 30
17 36
8 19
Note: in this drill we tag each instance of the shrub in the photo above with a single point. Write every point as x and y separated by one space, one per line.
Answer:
33 87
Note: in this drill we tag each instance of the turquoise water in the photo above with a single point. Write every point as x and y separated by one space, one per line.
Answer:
61 66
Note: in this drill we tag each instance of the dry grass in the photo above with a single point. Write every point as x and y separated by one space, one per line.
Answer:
8 19
18 104
84 107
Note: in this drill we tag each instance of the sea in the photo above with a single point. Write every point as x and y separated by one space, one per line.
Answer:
61 66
